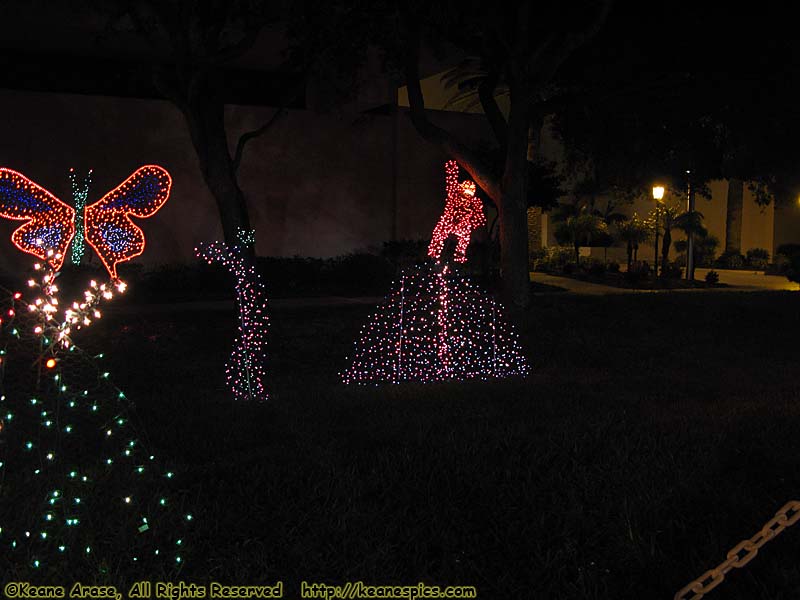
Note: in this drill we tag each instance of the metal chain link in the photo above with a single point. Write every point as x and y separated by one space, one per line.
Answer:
742 553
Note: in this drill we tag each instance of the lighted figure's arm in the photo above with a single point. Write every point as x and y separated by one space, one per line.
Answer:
440 234
451 178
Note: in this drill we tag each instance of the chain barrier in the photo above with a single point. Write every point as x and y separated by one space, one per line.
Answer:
742 553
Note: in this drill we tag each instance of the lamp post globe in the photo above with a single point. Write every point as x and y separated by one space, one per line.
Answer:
658 196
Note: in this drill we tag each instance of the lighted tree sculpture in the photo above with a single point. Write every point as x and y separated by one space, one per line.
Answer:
80 492
246 369
437 325
80 193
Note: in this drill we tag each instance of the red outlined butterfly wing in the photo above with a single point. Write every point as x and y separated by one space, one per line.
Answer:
109 229
50 223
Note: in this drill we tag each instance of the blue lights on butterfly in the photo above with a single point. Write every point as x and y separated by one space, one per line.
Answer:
45 237
117 238
21 197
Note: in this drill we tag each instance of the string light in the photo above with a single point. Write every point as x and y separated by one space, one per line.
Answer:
40 450
80 193
109 230
436 325
90 460
245 237
463 213
50 224
246 368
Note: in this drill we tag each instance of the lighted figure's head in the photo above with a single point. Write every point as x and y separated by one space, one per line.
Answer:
468 188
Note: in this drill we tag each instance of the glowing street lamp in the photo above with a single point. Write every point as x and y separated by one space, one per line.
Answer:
658 196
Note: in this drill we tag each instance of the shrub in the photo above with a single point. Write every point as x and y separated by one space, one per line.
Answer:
405 252
350 275
568 268
552 258
74 279
780 264
731 260
705 249
791 256
757 258
183 282
293 275
597 268
536 258
671 271
540 264
712 277
788 250
613 267
638 271
359 273
561 255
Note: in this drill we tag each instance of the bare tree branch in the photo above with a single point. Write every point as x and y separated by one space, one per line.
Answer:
237 49
434 134
549 66
293 95
251 135
490 108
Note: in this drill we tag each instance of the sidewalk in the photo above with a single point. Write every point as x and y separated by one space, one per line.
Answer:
751 280
738 281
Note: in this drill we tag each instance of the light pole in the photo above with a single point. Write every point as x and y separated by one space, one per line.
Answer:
690 233
658 195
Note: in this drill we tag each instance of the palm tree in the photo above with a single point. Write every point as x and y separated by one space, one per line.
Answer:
577 225
667 218
610 217
733 217
633 232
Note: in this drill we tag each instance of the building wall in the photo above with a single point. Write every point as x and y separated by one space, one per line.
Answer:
787 223
758 225
316 184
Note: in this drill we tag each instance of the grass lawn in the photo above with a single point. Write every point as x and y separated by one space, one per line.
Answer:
655 433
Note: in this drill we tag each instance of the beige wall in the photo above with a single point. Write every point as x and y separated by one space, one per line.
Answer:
758 225
787 223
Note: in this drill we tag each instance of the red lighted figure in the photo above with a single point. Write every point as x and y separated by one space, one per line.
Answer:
463 214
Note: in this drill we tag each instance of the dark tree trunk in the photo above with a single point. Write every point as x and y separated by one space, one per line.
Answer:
733 217
205 116
630 254
529 69
514 202
665 244
577 254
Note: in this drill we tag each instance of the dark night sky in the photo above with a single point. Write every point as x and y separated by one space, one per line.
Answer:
731 41
58 44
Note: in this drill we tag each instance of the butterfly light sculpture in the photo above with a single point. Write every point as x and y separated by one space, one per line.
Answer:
50 223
